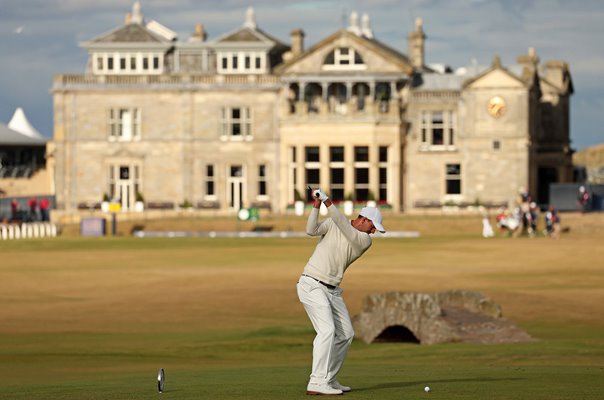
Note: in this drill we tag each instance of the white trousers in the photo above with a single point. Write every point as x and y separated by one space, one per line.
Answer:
329 316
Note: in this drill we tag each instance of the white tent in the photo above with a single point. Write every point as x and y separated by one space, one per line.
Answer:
20 124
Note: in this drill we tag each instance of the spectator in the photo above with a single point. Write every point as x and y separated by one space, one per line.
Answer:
552 223
533 211
509 222
44 209
14 209
583 199
525 213
32 204
487 229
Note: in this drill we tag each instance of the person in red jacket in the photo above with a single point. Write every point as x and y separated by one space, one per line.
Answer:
32 204
14 209
44 203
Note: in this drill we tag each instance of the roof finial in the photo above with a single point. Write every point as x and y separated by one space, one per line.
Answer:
354 23
366 26
419 24
250 18
496 61
137 15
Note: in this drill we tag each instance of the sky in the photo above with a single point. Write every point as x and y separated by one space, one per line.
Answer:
40 38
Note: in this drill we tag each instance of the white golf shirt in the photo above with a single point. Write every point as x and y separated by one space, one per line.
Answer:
340 245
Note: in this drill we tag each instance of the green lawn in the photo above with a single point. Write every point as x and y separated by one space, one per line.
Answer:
97 318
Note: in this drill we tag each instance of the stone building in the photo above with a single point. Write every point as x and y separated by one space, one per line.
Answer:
247 120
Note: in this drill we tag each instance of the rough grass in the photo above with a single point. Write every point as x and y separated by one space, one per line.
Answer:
96 318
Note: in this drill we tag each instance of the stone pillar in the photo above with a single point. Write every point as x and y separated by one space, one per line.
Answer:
372 90
374 170
301 90
324 162
348 169
348 91
300 182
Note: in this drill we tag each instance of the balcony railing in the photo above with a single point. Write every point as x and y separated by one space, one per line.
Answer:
319 108
79 81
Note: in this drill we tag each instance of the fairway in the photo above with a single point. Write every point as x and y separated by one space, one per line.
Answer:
96 318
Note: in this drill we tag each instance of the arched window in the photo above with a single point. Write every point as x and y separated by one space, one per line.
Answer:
344 58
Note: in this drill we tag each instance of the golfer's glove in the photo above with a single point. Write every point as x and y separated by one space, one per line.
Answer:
320 195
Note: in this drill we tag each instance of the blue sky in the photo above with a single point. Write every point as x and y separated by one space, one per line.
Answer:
40 38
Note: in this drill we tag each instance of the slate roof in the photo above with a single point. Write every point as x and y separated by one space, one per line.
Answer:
246 34
130 33
455 81
437 82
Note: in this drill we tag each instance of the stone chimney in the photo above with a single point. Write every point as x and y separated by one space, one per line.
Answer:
529 64
555 73
200 34
529 60
415 41
297 39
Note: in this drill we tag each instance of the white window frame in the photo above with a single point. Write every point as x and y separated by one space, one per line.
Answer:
240 56
134 181
293 170
227 121
453 196
361 164
448 126
339 58
311 165
263 178
207 179
337 165
115 124
383 165
139 58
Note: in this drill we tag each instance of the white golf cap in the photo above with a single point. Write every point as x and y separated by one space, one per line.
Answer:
375 216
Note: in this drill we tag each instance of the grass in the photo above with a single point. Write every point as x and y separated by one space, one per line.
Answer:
96 318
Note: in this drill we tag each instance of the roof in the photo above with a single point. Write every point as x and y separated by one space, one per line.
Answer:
13 138
130 33
436 82
249 35
388 49
461 76
371 43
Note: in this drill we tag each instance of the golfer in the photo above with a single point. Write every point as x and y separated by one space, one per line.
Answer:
342 242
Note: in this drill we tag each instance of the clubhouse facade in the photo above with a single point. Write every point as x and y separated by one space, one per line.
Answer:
246 120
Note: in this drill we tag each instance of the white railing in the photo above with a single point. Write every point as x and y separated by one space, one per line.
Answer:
161 80
27 230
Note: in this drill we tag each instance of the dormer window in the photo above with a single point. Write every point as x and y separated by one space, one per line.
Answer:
242 62
343 58
128 63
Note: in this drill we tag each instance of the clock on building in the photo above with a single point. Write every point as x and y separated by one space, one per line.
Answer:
496 106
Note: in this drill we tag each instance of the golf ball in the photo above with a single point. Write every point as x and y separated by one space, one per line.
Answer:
427 389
